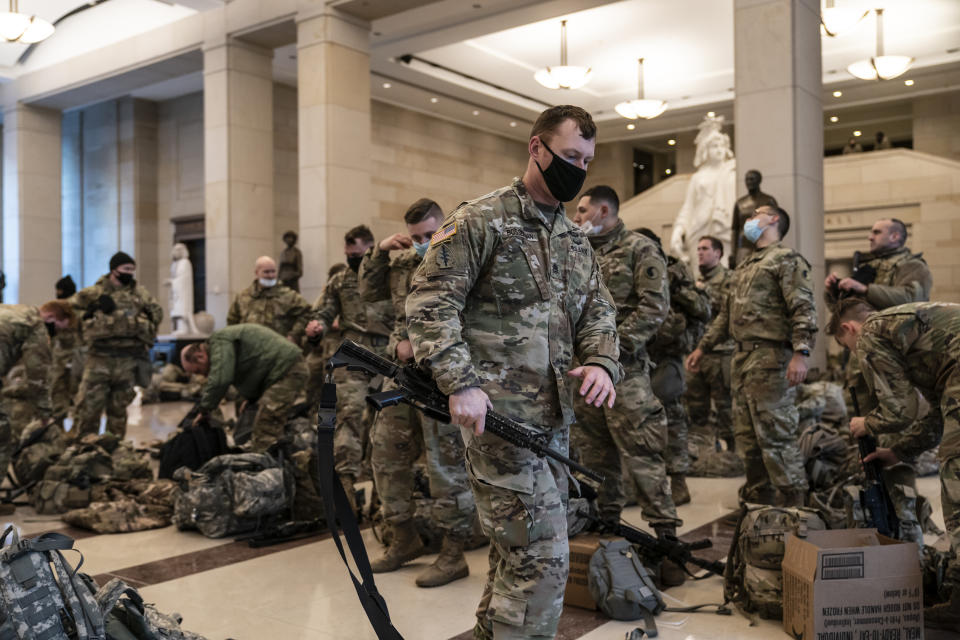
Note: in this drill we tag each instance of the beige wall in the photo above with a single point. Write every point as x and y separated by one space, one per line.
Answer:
286 175
936 125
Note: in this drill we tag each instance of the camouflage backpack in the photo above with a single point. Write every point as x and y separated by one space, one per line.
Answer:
41 596
753 578
620 584
128 617
40 447
135 505
229 494
828 456
67 484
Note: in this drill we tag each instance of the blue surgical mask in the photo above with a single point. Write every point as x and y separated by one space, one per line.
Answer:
421 248
752 230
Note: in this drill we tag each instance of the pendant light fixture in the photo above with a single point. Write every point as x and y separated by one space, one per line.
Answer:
880 66
836 21
23 28
565 76
641 107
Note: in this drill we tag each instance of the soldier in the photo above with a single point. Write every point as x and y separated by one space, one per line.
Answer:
771 314
291 262
903 350
634 432
319 348
507 294
67 363
273 305
400 434
712 381
118 323
24 333
678 335
900 277
264 368
366 324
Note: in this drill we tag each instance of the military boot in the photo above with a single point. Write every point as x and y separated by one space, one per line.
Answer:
671 574
678 489
946 615
450 565
405 545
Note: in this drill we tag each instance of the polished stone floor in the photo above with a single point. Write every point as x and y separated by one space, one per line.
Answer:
301 590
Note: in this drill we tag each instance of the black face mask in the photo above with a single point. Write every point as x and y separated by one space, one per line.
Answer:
51 328
124 278
354 262
563 179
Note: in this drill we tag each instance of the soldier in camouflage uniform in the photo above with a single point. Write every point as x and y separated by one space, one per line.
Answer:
119 320
67 365
401 433
508 293
273 305
319 348
712 381
366 324
674 340
901 277
903 350
771 314
264 367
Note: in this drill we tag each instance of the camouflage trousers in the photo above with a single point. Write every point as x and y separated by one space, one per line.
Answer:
669 384
765 420
351 438
632 435
315 364
711 384
273 405
522 501
400 434
65 374
950 501
107 385
901 484
6 443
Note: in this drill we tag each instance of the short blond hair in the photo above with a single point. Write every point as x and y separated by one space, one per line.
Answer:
848 309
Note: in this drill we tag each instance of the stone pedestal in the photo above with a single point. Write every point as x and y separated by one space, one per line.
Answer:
778 98
333 77
238 167
31 203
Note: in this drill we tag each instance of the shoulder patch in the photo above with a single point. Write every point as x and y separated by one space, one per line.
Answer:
444 233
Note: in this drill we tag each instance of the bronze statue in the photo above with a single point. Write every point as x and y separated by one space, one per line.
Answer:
291 262
743 209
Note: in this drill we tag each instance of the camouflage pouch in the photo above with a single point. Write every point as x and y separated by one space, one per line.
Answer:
120 516
129 464
56 496
255 495
40 447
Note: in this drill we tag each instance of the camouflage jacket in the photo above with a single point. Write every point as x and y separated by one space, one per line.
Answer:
382 278
688 316
358 319
902 277
23 338
635 273
279 307
504 299
132 325
717 282
771 301
909 348
248 356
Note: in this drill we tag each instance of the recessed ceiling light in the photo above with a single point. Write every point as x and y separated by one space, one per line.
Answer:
857 133
909 83
387 85
668 171
671 142
631 127
711 114
476 112
837 94
513 124
434 100
834 118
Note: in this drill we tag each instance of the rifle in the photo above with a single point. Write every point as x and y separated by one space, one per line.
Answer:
876 503
864 274
416 388
284 532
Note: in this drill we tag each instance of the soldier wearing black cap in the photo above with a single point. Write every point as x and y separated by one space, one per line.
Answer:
118 324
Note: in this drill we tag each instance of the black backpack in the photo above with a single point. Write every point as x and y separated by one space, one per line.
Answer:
192 446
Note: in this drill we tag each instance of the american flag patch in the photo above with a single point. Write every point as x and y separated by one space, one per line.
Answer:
444 234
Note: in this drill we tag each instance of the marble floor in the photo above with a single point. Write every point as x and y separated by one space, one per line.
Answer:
299 590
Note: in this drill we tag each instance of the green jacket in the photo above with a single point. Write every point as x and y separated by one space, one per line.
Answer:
251 357
23 338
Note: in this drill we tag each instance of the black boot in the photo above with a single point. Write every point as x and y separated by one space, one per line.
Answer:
671 574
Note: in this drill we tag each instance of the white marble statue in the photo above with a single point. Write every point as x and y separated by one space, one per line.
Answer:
181 291
708 206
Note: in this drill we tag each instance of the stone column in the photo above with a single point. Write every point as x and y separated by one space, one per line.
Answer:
333 77
238 167
779 119
31 203
137 183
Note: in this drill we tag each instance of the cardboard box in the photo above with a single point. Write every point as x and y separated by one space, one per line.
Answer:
581 550
851 584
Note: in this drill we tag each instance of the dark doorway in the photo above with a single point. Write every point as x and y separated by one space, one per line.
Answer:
190 231
642 170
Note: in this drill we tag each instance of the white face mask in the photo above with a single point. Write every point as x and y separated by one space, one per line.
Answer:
267 282
589 228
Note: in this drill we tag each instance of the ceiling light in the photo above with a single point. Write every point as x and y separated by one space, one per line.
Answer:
668 171
434 100
387 85
565 76
837 94
631 127
23 28
513 124
857 133
837 21
909 83
671 142
880 66
834 118
711 114
641 107
476 112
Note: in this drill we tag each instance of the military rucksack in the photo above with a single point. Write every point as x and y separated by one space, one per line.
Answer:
192 446
41 596
828 456
621 585
128 617
40 447
753 578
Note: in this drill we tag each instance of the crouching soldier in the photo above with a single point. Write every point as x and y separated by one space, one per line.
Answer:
264 366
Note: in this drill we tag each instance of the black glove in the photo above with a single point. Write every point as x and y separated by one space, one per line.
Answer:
106 304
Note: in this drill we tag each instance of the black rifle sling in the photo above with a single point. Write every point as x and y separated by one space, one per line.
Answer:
337 511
